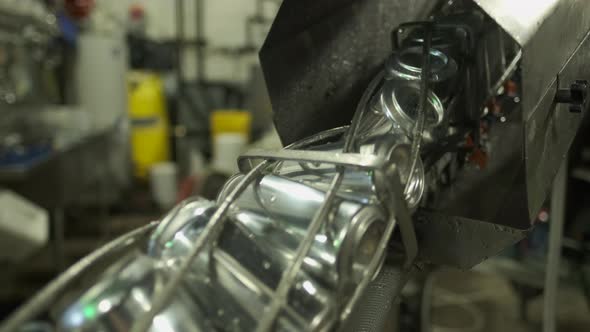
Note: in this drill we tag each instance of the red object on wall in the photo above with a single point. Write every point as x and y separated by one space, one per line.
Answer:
79 9
136 12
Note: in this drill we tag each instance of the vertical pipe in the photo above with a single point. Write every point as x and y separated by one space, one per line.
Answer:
200 36
554 255
174 112
179 43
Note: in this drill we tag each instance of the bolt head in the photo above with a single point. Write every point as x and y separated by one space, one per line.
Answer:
576 109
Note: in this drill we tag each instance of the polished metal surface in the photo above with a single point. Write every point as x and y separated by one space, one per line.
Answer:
57 288
126 290
293 204
399 100
359 185
187 220
407 65
340 159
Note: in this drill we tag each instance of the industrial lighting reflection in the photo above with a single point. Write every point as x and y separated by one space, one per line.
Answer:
104 305
180 237
322 238
199 211
74 318
162 324
141 299
309 287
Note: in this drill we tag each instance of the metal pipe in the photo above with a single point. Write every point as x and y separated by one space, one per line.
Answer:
558 197
179 44
200 38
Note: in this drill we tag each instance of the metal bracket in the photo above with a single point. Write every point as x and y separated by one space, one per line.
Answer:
353 160
390 188
576 96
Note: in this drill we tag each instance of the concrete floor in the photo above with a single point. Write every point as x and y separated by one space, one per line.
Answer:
477 302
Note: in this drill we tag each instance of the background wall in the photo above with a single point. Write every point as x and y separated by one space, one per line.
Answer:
224 29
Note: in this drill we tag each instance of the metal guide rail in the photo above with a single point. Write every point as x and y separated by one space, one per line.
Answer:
380 166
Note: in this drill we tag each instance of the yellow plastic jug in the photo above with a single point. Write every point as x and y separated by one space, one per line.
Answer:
150 127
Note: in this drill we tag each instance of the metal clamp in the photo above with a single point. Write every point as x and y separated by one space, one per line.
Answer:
353 160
